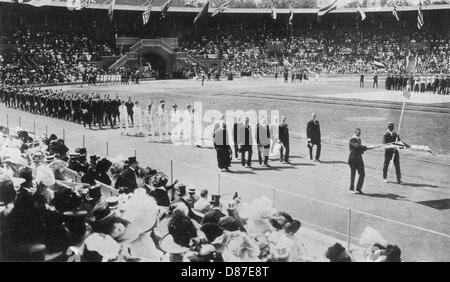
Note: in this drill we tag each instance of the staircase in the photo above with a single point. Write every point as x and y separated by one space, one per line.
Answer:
166 48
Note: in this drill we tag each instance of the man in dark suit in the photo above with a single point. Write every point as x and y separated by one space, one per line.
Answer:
283 138
375 80
361 81
391 152
215 214
314 136
355 161
237 124
126 182
246 141
263 141
129 104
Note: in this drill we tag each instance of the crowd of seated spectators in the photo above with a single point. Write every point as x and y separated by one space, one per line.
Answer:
58 204
320 51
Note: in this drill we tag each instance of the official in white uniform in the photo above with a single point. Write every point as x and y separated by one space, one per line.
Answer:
149 113
137 116
123 118
163 121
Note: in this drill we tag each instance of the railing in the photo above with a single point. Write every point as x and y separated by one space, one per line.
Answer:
333 221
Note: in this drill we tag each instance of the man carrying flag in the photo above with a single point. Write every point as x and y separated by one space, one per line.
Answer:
391 152
394 13
361 12
202 12
146 14
419 16
222 8
325 10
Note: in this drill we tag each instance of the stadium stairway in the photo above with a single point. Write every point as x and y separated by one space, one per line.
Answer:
166 48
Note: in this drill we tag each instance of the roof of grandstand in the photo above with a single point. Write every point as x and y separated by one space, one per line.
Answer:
249 7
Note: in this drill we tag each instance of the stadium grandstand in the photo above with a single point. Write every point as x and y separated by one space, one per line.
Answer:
238 40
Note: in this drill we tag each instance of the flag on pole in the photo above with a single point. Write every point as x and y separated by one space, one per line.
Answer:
323 11
111 10
166 6
84 4
274 12
221 8
286 63
361 12
146 14
291 11
407 94
419 16
394 13
202 12
379 65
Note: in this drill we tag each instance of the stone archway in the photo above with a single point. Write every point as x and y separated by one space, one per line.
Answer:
159 61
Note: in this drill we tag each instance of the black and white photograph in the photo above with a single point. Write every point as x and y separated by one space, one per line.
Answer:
250 131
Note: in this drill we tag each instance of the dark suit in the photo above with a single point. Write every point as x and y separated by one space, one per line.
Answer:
212 216
246 142
283 135
313 133
356 163
388 153
127 180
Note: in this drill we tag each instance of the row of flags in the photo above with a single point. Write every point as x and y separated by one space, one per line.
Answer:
81 4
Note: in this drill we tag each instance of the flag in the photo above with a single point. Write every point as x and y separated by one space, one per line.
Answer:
221 8
419 16
274 12
394 13
291 11
166 6
202 12
84 4
379 65
361 12
286 63
323 11
146 14
407 94
111 10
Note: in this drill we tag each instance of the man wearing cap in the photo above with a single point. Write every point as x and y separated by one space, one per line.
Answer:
126 182
215 214
192 198
391 153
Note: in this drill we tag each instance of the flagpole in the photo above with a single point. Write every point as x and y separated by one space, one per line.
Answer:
398 131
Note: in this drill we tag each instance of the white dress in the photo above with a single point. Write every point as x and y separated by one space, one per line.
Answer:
137 116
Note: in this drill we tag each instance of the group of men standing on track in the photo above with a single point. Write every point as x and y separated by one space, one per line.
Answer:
88 109
270 138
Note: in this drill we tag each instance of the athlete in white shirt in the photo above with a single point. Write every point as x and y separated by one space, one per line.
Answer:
123 118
